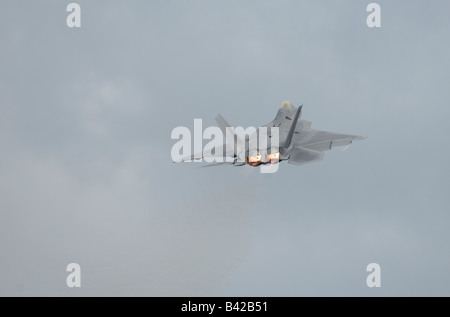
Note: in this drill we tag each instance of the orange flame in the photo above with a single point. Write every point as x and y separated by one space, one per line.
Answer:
273 156
254 159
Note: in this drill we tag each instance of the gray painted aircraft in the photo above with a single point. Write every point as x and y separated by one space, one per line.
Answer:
298 143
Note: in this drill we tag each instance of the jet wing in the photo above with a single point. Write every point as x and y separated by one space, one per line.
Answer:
224 151
322 140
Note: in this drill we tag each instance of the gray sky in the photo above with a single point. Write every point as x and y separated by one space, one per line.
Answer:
85 168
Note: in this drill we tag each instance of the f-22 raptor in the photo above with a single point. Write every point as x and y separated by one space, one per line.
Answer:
297 142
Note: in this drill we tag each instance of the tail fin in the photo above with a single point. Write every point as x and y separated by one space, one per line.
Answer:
222 123
232 138
224 126
288 140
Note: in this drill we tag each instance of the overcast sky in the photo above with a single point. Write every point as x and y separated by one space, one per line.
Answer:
86 174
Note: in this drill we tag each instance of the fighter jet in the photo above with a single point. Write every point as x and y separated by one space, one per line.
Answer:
297 142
